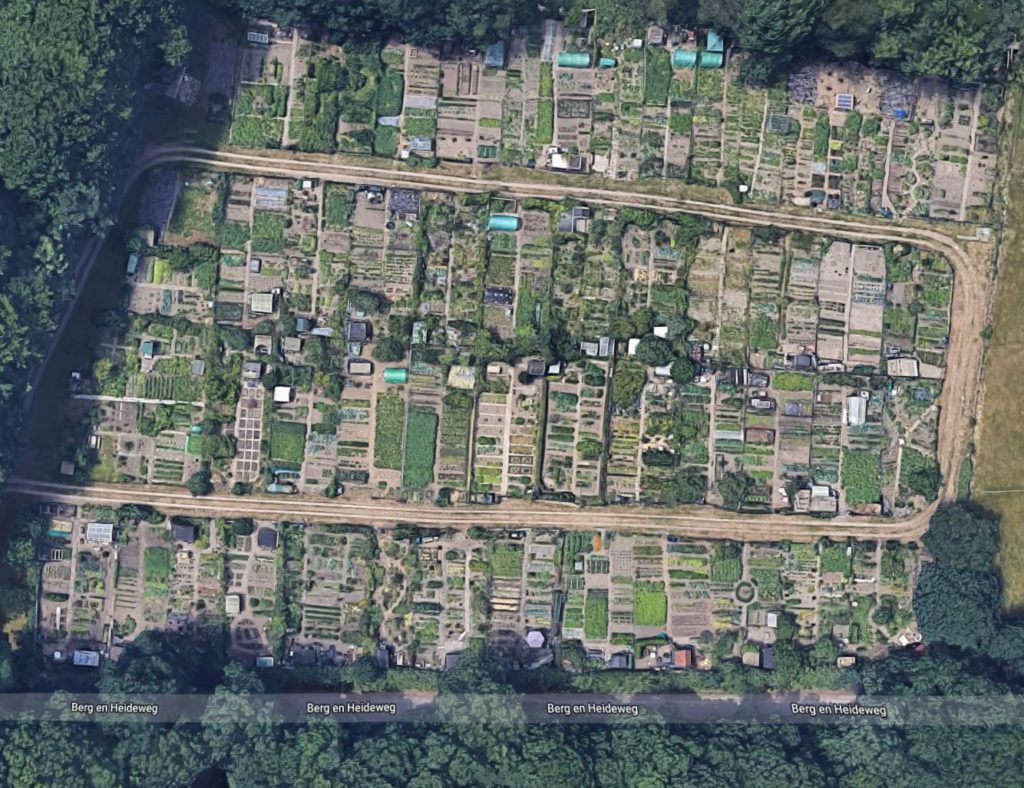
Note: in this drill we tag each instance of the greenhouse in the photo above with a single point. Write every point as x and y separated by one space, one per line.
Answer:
684 58
574 59
503 222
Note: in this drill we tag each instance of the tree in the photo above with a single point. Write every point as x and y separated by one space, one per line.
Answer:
654 351
959 539
199 482
683 370
366 301
735 487
957 607
772 29
389 349
627 383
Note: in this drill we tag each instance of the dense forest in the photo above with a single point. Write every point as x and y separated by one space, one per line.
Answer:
69 79
479 742
960 39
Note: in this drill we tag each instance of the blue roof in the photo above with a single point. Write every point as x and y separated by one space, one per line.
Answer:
715 42
495 55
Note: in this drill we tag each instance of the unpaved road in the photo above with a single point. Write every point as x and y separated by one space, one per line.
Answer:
971 261
696 521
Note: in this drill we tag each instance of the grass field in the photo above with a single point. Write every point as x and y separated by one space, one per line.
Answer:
650 605
156 564
387 444
193 211
268 231
861 477
793 381
595 622
287 442
1000 433
419 449
507 560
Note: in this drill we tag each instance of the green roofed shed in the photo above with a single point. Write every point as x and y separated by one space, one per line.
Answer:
715 42
574 59
711 59
607 62
503 222
396 375
684 58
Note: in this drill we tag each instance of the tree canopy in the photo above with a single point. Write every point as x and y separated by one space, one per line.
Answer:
423 22
69 75
958 39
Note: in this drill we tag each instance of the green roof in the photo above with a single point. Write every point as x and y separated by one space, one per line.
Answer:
396 375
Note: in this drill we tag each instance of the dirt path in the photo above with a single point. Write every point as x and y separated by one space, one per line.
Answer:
694 521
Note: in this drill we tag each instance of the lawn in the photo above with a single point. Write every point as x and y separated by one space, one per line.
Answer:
658 76
264 100
419 449
337 208
573 618
287 442
420 123
595 620
249 131
268 231
793 381
385 141
545 123
389 94
507 560
156 563
547 82
650 605
834 557
769 584
160 273
860 477
681 122
919 474
194 210
233 235
1000 433
387 444
727 563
